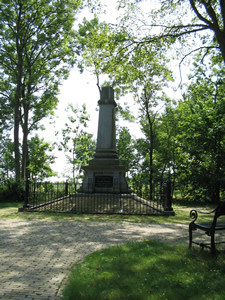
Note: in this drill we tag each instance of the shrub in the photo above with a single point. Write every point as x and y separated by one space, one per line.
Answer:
11 190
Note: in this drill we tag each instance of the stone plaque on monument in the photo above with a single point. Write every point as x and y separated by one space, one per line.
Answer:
105 173
103 181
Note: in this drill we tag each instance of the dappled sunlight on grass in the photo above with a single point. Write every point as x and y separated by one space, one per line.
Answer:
148 270
10 210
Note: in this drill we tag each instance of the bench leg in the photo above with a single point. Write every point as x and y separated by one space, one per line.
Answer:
190 236
213 248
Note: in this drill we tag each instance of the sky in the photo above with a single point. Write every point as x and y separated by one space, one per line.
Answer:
77 90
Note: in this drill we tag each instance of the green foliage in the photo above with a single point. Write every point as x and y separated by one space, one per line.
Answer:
147 270
6 158
11 190
97 42
77 143
200 140
40 159
37 50
131 67
125 145
164 155
185 142
149 76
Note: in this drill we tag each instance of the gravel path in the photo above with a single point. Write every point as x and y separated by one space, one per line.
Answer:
37 255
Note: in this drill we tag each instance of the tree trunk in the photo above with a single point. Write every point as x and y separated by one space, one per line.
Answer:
151 147
16 137
220 36
18 97
151 161
17 119
25 143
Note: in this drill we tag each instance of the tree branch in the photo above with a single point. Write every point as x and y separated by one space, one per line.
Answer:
173 32
193 6
211 13
189 53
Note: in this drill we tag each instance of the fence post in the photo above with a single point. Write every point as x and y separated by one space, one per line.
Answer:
168 210
26 197
66 188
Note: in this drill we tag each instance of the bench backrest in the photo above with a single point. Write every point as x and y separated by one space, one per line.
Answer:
219 211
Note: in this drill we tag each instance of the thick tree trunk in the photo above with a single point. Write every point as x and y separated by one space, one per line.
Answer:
220 36
215 20
25 143
16 137
17 119
151 146
18 98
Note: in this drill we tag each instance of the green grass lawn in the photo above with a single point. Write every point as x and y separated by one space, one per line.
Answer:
148 270
10 210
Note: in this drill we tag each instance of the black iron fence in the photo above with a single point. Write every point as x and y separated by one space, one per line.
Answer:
63 197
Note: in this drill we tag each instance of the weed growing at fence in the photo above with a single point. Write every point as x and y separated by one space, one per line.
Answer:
148 270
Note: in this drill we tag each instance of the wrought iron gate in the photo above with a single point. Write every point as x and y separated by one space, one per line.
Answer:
62 197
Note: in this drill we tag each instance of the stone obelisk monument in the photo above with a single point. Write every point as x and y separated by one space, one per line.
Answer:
105 173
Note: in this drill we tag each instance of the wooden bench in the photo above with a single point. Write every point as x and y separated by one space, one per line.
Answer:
210 228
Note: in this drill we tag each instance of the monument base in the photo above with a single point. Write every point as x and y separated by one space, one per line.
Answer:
104 176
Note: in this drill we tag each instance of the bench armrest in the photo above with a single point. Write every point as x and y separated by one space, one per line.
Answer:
194 213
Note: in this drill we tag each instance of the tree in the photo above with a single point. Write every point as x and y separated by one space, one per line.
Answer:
77 143
98 42
36 40
142 72
125 147
40 159
211 15
146 75
200 146
165 154
6 158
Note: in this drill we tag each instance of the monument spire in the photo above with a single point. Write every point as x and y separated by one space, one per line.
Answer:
106 138
105 173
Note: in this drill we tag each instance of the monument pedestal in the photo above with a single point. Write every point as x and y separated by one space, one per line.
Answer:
104 176
105 173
